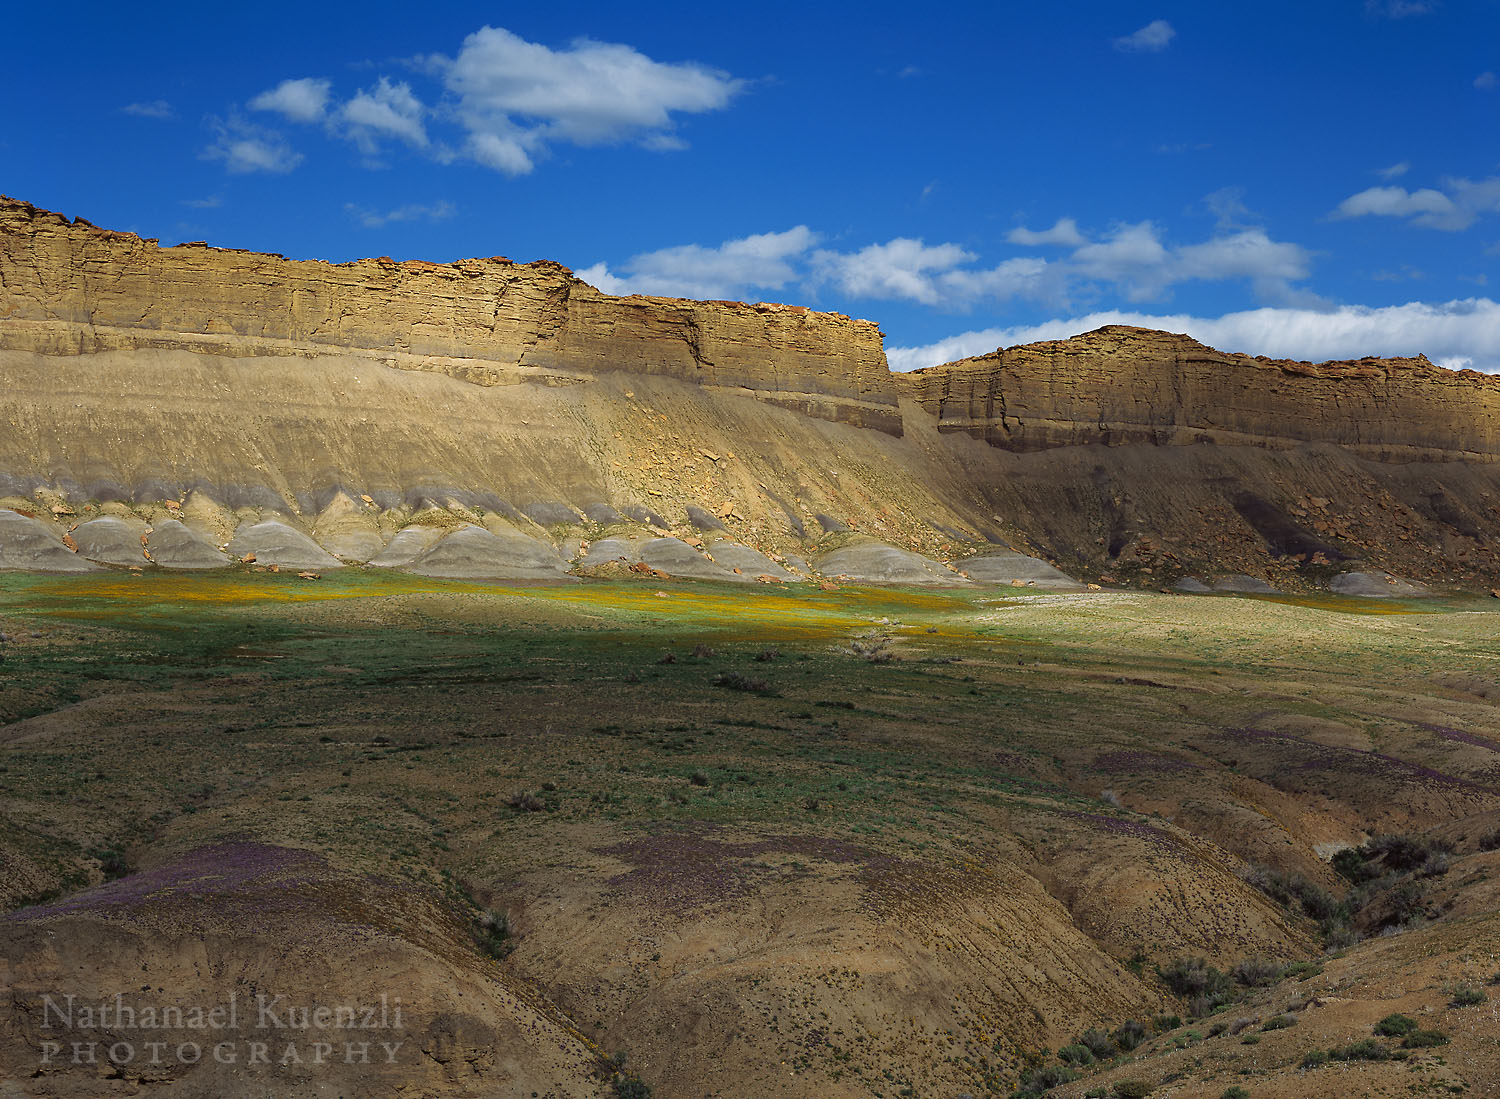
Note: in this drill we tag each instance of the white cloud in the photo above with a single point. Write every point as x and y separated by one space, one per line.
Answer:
1132 260
1486 80
1395 171
303 100
156 108
1064 232
1454 333
900 269
375 219
766 261
1456 207
516 97
1227 205
386 110
212 202
1154 37
244 148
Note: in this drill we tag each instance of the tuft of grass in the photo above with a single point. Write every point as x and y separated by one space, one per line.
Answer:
1467 995
734 681
1279 1022
1366 1049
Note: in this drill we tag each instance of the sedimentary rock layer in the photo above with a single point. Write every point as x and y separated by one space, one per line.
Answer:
1121 385
68 286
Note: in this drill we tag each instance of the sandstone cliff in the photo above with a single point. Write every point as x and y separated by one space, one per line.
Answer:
347 399
487 321
1119 386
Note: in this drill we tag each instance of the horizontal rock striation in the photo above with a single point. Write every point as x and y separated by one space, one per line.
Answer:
70 287
1120 385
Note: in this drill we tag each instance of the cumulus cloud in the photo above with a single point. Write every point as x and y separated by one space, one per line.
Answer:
386 110
900 269
245 148
376 219
735 269
516 97
1462 333
155 108
1154 37
503 102
1064 232
1131 260
1457 206
302 100
1486 81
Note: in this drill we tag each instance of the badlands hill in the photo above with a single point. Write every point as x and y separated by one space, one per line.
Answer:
212 403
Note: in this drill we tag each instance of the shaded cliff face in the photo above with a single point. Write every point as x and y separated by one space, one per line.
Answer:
486 321
1119 386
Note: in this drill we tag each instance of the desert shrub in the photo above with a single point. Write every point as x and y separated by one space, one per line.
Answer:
1314 1057
1396 1026
631 1087
1240 1024
765 656
1366 1049
1038 1080
1163 1023
1401 854
698 778
525 801
1129 1034
1424 1039
702 652
1303 971
1258 972
1338 935
495 934
1100 1044
1234 1092
1292 888
734 681
1250 1040
1189 977
1490 841
1407 905
1132 1089
111 862
1468 996
1279 1022
874 647
1076 1054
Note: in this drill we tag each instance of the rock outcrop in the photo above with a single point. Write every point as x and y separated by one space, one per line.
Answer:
202 391
1119 386
68 286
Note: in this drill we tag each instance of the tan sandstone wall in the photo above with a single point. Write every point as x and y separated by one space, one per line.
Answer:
1120 385
68 286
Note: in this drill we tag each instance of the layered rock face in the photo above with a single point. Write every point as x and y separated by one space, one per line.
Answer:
69 286
188 393
1120 385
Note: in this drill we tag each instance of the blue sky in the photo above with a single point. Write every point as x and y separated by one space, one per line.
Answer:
1301 179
